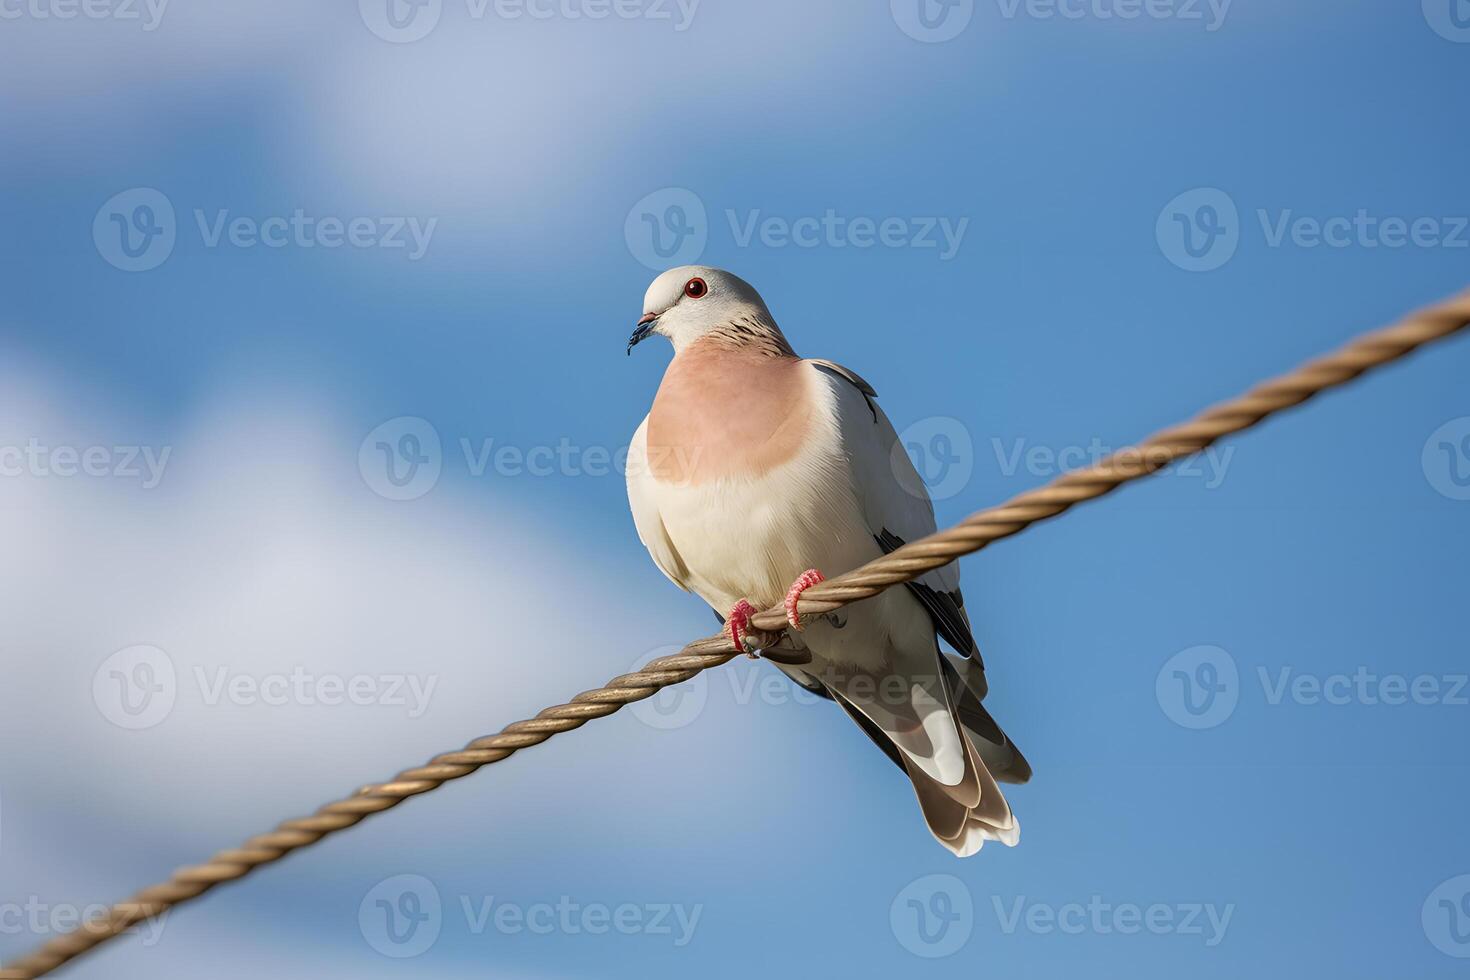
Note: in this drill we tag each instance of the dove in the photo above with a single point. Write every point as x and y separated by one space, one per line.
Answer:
756 471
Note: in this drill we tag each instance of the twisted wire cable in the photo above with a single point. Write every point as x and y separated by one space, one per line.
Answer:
1369 351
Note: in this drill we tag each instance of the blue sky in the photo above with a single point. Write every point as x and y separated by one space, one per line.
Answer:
1131 217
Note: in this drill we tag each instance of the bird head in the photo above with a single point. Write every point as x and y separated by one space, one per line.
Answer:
694 302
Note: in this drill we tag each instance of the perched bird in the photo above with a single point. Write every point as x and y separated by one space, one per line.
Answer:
754 469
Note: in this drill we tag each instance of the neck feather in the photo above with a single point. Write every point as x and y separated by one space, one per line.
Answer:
750 333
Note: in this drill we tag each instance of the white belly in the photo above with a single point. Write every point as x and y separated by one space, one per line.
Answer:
736 546
751 538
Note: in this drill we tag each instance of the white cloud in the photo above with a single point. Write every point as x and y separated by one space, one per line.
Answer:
261 551
263 555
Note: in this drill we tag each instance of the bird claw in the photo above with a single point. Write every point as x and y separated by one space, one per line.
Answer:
806 580
738 624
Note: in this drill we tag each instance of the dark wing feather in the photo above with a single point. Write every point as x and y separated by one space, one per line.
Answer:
947 609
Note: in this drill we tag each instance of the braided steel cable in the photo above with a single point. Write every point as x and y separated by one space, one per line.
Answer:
905 564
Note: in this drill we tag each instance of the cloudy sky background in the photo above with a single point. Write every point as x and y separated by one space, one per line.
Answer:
1321 545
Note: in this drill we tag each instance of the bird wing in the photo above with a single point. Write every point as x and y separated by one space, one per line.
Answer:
895 501
940 734
643 500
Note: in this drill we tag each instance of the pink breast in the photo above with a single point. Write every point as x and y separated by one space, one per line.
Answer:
724 412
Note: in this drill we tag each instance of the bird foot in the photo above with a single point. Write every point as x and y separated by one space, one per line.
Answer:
738 624
807 579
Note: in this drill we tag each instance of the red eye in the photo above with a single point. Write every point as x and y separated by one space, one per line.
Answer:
695 288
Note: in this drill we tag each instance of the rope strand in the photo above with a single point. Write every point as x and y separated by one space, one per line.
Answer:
905 564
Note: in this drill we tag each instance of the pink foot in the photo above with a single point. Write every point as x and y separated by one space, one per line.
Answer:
808 578
738 623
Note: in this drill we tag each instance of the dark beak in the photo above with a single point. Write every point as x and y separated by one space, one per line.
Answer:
644 331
